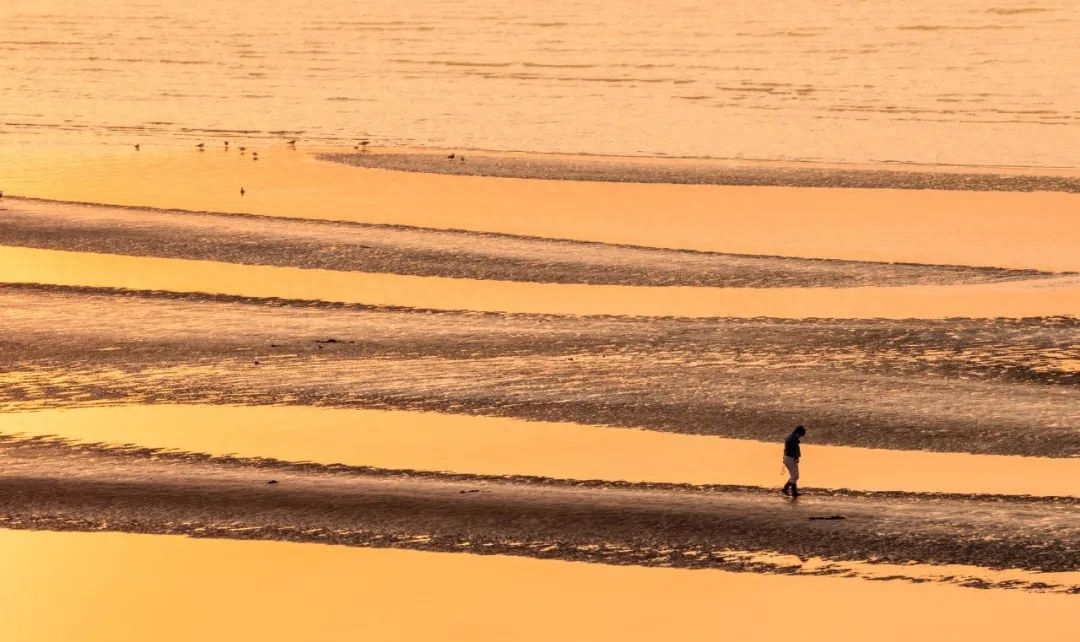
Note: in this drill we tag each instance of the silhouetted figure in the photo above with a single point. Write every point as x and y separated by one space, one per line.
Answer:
226 144
241 192
201 146
242 150
451 157
462 158
136 147
792 453
293 142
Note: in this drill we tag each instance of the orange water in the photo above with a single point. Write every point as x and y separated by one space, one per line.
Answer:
118 588
937 81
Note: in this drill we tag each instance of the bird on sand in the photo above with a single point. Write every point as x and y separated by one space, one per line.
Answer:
450 157
136 147
292 142
226 144
243 149
241 192
201 146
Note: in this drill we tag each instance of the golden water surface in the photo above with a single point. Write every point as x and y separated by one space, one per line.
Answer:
104 587
503 446
1018 230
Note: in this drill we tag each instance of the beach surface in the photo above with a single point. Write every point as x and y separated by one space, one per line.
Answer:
487 321
485 370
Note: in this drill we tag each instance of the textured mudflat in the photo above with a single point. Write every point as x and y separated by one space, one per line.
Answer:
1006 386
61 486
701 172
263 240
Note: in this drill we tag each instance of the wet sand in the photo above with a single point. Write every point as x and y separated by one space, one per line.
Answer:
1042 297
713 172
174 589
1005 386
908 226
668 333
54 485
356 247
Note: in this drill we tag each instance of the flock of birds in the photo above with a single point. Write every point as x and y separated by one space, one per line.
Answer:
360 146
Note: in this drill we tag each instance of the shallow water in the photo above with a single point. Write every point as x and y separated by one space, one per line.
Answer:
915 226
170 588
941 82
935 83
503 446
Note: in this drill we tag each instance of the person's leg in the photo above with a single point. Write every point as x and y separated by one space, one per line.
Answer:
793 479
793 474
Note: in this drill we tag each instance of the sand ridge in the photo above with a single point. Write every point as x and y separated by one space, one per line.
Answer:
1005 386
706 171
350 246
57 485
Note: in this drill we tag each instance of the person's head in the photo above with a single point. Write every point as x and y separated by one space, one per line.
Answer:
800 431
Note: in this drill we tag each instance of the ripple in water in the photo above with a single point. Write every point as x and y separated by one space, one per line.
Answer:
928 82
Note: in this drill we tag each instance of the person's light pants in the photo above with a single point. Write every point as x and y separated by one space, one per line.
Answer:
793 469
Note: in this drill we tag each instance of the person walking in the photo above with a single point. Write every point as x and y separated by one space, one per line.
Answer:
792 453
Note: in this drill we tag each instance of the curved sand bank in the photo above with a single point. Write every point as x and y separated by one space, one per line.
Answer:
692 171
500 446
1004 386
57 486
1044 297
907 226
356 247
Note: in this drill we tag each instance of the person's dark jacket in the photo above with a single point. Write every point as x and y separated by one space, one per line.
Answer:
791 446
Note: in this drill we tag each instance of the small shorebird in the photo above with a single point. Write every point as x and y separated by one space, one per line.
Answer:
450 157
241 192
136 147
292 142
201 146
226 144
364 144
243 149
